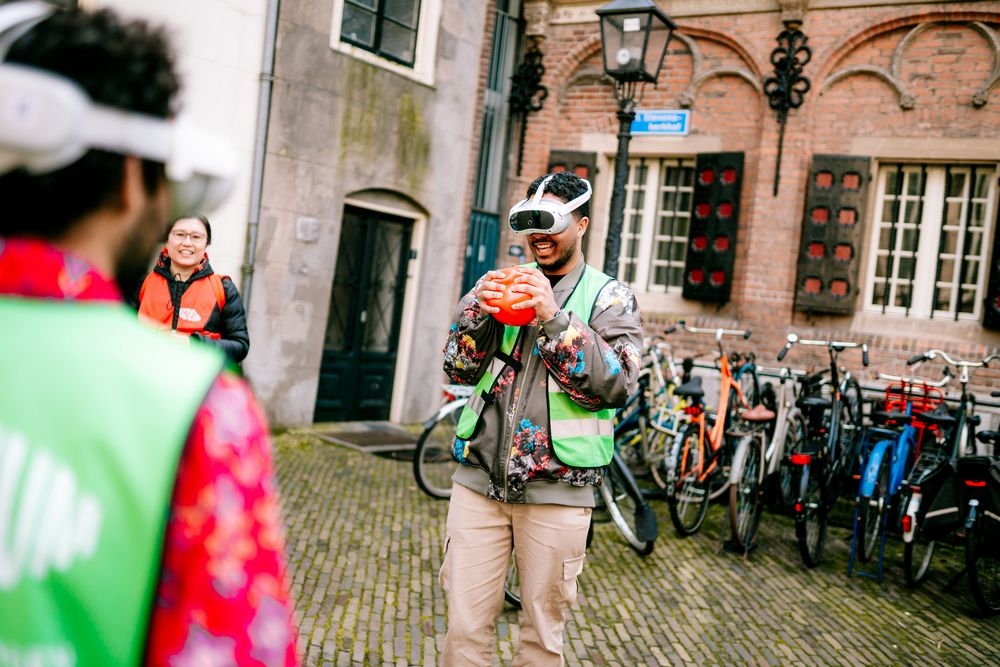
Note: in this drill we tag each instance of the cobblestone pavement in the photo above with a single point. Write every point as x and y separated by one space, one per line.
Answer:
364 546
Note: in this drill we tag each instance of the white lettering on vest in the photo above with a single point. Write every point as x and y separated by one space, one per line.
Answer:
189 315
37 656
50 523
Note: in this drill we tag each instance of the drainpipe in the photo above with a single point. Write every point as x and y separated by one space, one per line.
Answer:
260 147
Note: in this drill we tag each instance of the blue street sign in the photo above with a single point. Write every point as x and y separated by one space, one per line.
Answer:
671 122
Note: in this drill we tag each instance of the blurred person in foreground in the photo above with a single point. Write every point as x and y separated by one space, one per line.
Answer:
185 296
535 439
139 519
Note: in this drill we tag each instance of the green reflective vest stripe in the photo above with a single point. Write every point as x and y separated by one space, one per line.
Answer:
477 401
87 470
581 438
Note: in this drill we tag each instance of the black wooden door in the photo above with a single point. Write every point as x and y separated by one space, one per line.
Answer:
362 330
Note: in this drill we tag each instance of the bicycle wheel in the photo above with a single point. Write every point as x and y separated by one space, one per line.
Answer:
810 524
870 512
659 446
983 564
688 499
512 584
623 507
434 459
851 422
917 556
795 436
745 500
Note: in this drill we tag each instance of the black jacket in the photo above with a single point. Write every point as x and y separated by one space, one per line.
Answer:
230 323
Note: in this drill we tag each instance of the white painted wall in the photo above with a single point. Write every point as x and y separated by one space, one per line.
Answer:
219 46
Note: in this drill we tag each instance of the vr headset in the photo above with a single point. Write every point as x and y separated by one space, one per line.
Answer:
48 122
535 215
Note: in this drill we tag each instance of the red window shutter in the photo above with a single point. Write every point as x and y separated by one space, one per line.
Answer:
715 213
583 165
829 251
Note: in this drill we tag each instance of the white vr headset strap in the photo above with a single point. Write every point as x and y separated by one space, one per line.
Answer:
18 18
571 205
48 122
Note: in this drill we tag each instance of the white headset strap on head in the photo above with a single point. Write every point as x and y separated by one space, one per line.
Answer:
18 18
536 200
572 205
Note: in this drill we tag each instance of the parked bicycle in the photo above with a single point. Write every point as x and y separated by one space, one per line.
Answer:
933 466
968 508
620 493
980 478
661 416
700 470
761 469
828 456
434 459
888 451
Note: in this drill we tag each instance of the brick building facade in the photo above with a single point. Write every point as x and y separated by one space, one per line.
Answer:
879 222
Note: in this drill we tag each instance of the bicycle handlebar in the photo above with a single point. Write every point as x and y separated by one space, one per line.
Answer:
719 333
959 363
915 380
838 345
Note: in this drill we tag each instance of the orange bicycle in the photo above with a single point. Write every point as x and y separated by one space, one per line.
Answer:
700 468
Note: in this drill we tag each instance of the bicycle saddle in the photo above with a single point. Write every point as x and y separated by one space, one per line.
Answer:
758 413
942 419
691 388
814 402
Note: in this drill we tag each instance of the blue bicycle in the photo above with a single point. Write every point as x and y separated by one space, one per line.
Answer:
888 450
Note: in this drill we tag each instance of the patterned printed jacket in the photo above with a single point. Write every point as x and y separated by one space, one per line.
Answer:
510 456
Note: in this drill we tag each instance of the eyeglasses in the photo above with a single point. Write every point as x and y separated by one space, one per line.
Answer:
179 237
535 215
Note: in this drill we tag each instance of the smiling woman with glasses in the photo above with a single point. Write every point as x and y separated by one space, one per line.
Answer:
184 296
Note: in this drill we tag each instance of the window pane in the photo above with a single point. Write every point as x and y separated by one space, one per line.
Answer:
402 11
907 267
358 26
968 302
975 247
398 42
947 270
952 230
956 185
902 299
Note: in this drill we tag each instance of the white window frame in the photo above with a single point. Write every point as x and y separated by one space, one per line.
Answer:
426 47
925 280
653 188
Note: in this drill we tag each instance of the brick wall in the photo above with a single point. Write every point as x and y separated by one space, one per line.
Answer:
872 76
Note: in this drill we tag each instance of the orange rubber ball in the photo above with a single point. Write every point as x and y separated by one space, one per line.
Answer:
507 315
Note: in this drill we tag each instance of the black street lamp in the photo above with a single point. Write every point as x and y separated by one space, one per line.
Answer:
634 38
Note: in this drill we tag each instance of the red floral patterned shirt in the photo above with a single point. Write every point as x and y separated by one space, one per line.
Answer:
223 595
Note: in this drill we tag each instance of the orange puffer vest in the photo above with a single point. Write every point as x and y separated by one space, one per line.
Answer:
197 302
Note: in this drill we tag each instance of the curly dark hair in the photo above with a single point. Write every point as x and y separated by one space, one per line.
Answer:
122 64
567 187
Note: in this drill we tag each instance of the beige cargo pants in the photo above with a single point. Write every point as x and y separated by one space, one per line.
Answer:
549 543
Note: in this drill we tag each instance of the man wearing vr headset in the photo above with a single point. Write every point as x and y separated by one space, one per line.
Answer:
138 513
536 435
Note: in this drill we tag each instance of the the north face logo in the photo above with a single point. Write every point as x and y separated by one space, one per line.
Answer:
189 315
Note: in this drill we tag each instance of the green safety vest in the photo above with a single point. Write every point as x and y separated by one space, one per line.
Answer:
581 438
95 408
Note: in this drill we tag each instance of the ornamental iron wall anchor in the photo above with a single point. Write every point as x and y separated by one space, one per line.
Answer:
787 88
527 93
